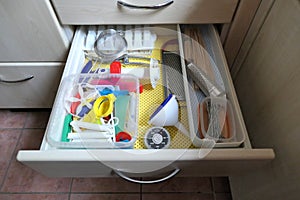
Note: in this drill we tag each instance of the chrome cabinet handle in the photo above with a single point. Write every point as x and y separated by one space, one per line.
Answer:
147 182
17 81
154 7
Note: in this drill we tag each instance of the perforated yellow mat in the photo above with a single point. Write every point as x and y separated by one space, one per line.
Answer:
150 99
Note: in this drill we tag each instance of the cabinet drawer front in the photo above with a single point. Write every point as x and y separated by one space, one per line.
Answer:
84 163
29 85
33 34
110 12
54 161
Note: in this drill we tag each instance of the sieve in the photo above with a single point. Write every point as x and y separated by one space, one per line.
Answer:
110 45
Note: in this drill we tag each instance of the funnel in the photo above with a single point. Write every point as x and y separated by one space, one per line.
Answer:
167 113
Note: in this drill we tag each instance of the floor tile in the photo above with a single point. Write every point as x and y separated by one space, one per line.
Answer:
223 196
103 185
34 196
105 196
31 139
21 178
8 142
221 184
37 119
179 196
181 184
12 119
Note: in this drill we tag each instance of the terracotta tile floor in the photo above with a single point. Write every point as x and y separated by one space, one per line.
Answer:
24 129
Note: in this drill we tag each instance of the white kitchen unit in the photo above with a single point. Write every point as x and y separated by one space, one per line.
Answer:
144 12
272 118
222 160
26 85
33 50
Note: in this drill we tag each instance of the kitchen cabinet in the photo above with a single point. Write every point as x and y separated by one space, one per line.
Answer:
32 40
29 84
120 12
267 84
221 160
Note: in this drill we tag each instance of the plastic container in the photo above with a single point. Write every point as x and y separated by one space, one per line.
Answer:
223 116
114 95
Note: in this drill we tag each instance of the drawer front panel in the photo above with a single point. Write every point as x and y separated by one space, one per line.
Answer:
110 12
29 85
82 163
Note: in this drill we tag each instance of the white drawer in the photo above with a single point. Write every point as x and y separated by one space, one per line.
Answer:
53 161
110 12
29 85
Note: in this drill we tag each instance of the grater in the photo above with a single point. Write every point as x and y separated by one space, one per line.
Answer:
173 79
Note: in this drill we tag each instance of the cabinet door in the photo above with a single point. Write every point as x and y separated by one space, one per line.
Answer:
30 31
268 86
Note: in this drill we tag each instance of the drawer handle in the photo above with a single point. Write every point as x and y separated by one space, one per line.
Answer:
147 182
17 81
158 6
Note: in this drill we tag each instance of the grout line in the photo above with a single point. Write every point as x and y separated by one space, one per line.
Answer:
213 188
58 193
26 120
33 193
22 128
168 192
10 161
117 193
103 193
14 151
18 128
108 193
141 190
70 190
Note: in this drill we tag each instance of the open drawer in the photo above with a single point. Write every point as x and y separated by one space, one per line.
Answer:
224 159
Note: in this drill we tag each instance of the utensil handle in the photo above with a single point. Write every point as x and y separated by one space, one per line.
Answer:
154 7
18 80
150 181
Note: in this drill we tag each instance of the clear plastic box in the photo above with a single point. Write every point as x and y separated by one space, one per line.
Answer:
224 117
96 107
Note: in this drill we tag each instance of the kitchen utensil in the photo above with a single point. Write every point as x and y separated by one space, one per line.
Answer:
157 138
207 86
173 78
104 106
104 129
123 137
167 115
110 45
66 128
216 120
195 51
